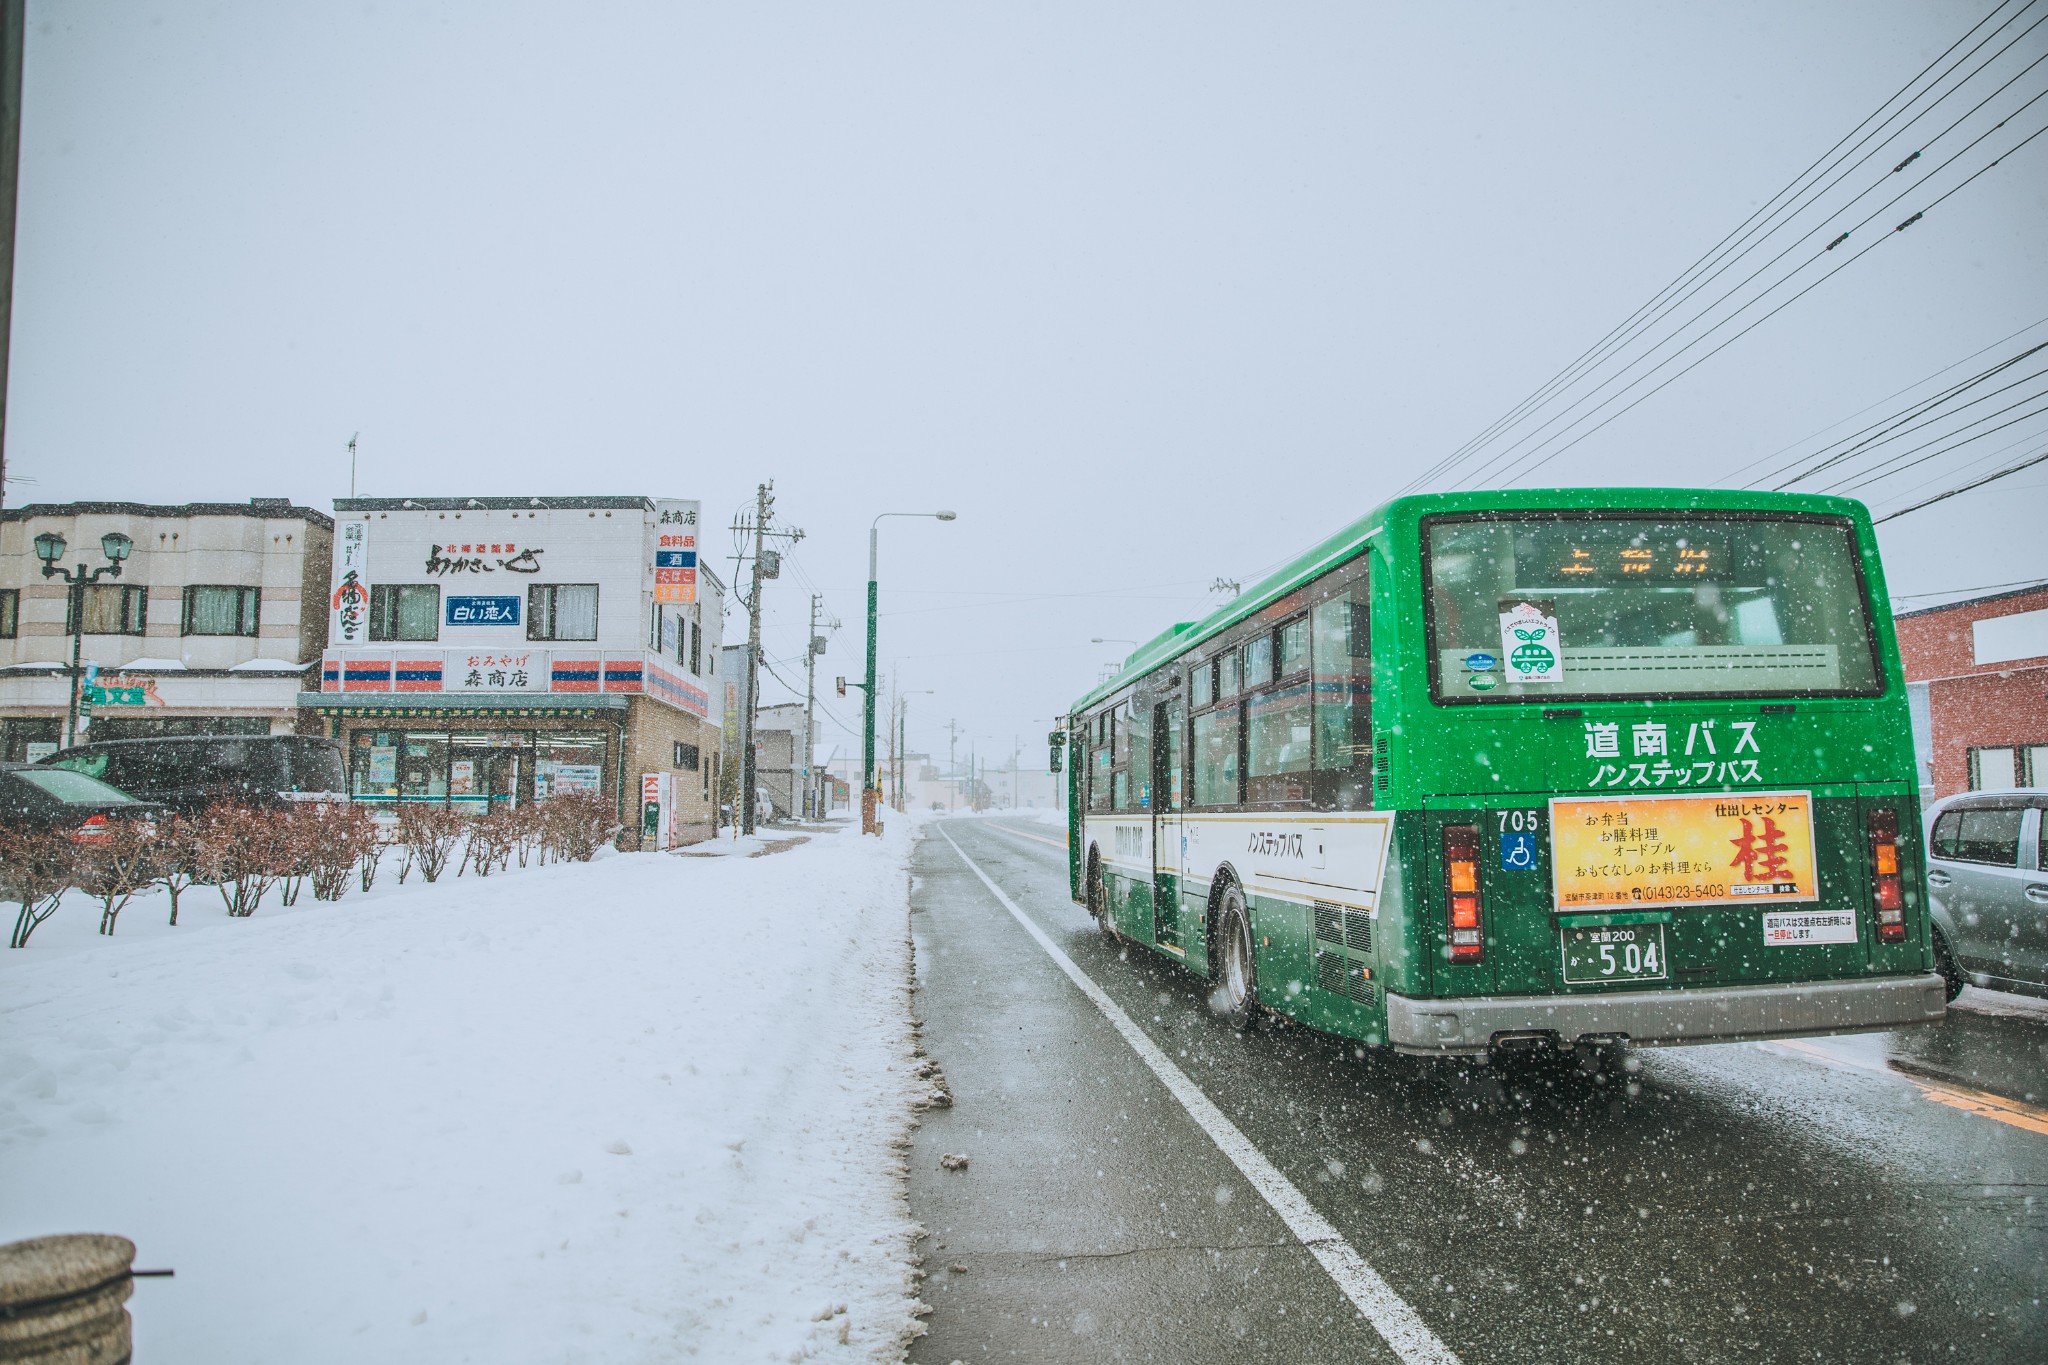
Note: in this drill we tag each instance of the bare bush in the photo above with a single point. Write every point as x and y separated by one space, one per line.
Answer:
429 835
35 868
492 839
113 863
242 852
175 861
343 836
576 824
296 830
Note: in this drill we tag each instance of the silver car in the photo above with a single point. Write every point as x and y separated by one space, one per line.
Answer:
1987 867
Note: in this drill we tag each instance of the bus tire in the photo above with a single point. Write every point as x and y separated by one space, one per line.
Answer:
1236 997
1952 977
1098 898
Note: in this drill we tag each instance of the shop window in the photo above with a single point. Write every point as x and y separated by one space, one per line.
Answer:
696 647
567 763
373 766
10 613
111 609
1202 684
405 611
212 609
561 611
687 757
1293 646
2036 756
1994 769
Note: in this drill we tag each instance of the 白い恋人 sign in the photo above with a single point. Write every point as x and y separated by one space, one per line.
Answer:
483 611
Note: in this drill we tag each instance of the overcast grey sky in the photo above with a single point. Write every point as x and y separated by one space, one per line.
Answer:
1149 293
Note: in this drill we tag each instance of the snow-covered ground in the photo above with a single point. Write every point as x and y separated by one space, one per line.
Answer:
641 1109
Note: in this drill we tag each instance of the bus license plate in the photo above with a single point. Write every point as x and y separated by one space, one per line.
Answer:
1616 952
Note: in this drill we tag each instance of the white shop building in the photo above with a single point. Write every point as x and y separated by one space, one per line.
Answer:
487 651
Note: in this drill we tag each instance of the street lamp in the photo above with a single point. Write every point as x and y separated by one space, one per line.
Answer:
869 792
50 548
903 738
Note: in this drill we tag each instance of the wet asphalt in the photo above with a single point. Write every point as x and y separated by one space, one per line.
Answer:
1808 1201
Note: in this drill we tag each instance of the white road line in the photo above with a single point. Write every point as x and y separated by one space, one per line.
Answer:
1396 1322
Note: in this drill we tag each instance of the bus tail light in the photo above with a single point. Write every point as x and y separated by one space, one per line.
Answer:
1887 888
1466 924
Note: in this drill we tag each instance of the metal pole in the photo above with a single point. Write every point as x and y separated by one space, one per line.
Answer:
867 790
810 708
13 29
747 775
77 642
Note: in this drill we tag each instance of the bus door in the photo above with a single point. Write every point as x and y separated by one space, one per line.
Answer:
1169 721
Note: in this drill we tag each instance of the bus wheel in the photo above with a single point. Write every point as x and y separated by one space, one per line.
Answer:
1098 898
1236 996
1945 963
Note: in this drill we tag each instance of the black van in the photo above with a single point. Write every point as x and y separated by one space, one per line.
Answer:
188 772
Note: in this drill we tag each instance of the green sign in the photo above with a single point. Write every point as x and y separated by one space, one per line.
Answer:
113 696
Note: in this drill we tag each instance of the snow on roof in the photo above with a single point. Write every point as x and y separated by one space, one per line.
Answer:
267 666
157 665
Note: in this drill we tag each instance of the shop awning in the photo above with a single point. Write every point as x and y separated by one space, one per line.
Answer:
496 704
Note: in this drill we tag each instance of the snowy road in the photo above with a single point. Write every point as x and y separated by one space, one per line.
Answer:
1798 1201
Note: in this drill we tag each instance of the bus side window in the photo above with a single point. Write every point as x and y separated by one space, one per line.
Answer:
1341 653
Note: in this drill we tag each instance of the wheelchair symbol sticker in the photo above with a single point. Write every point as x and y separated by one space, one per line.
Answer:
1517 850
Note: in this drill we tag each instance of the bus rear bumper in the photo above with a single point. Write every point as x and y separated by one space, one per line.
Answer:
1723 1014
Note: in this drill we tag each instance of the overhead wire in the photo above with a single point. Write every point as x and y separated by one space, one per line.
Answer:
1539 457
1964 488
1718 258
1873 406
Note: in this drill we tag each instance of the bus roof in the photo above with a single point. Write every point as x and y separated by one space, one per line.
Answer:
1178 639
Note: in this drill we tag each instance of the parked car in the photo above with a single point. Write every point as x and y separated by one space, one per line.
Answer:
1987 870
34 797
188 772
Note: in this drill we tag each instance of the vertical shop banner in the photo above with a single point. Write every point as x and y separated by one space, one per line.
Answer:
351 584
675 550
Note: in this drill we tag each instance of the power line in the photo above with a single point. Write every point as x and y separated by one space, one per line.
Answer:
1965 488
1542 457
1956 592
1718 258
1890 428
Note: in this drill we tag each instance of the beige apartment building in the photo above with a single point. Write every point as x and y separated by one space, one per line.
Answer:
212 625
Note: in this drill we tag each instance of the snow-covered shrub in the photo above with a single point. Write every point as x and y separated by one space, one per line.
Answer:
35 868
492 839
242 851
114 864
576 824
174 862
345 836
429 834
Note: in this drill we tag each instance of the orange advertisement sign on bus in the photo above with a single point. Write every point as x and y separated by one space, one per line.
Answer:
1702 848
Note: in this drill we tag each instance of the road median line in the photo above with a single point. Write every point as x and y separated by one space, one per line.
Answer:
1390 1315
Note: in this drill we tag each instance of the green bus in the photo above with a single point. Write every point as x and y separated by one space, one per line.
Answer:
1483 771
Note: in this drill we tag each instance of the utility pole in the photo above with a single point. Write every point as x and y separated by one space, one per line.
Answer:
953 754
812 649
767 564
352 464
13 30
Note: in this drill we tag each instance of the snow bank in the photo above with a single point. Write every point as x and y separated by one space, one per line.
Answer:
644 1108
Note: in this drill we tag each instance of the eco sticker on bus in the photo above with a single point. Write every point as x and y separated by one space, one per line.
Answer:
1528 637
1483 682
1744 848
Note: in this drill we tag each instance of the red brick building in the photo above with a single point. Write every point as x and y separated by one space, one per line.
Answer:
1978 674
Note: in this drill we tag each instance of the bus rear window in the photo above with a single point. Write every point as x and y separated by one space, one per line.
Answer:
1560 607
